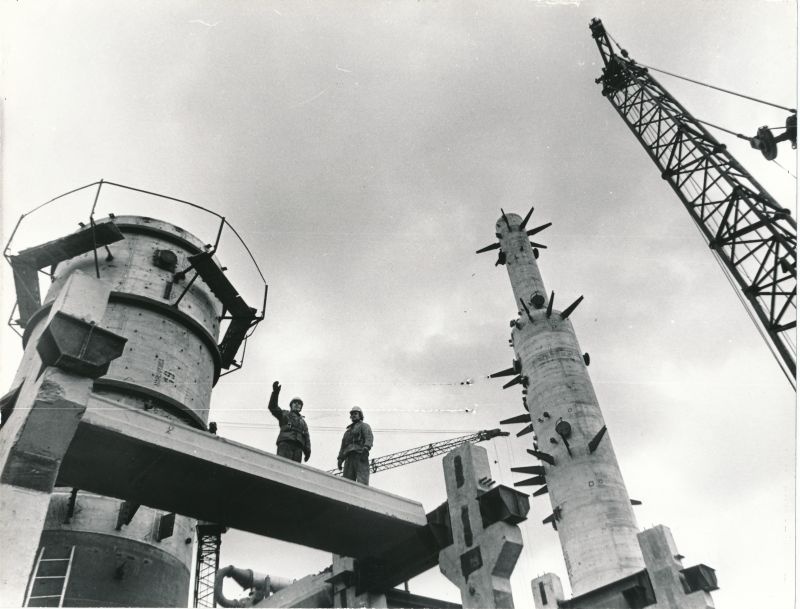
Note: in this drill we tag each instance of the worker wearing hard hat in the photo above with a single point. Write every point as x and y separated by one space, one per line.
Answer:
356 444
293 440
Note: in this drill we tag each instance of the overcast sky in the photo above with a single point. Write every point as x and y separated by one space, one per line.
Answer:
363 150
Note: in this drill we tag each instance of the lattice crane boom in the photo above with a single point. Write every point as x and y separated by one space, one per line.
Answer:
753 236
428 451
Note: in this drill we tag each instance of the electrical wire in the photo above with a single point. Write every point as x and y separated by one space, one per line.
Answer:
340 429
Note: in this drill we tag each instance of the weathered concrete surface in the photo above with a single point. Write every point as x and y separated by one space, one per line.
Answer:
34 440
660 586
168 367
596 525
523 271
127 566
343 586
171 359
480 561
144 458
547 591
664 565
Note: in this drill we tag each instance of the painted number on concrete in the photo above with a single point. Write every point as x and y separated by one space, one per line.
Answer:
162 375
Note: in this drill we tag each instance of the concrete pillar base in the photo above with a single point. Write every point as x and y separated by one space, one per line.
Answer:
664 566
345 592
547 591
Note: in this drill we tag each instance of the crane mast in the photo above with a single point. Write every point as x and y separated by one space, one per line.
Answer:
751 234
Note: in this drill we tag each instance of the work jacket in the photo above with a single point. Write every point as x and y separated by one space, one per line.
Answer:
293 426
357 437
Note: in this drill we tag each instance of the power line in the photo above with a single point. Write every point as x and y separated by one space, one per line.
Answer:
341 428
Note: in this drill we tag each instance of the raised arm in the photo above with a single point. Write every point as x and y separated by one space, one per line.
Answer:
273 401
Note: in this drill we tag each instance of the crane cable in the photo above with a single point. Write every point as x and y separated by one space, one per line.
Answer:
697 82
745 138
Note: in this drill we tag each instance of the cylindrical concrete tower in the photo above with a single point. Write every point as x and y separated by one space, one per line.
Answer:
591 508
118 554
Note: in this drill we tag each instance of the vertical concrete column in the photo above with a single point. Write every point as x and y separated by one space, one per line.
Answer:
480 560
547 591
591 506
526 280
345 593
34 439
664 567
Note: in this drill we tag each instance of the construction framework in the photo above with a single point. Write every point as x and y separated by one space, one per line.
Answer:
207 563
428 451
753 237
209 536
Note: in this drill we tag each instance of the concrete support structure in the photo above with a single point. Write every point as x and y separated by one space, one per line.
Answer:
171 360
674 586
547 591
663 584
176 468
591 507
346 592
610 564
480 560
141 562
35 436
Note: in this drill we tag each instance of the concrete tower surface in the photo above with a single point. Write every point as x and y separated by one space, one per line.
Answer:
165 296
610 564
591 507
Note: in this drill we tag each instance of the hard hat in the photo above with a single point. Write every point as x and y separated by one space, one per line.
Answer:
358 410
295 399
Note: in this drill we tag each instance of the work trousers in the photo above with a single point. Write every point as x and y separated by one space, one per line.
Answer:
356 467
290 450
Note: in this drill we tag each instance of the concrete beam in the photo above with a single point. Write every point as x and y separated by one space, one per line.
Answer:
144 458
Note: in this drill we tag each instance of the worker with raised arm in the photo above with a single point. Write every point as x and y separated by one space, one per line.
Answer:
293 440
356 444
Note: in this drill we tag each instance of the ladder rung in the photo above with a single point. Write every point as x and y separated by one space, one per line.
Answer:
46 596
52 559
50 576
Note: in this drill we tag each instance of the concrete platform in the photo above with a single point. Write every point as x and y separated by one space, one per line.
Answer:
139 457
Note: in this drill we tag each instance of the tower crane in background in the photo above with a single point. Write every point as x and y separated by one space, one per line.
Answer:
428 451
209 536
753 236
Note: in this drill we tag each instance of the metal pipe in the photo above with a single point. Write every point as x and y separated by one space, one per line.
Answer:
260 586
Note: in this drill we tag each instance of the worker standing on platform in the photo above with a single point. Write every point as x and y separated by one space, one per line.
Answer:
356 444
293 440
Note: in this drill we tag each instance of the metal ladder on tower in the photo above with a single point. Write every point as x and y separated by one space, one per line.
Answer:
50 577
